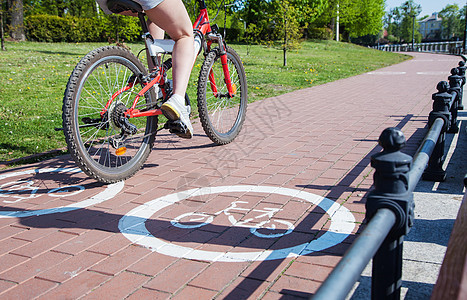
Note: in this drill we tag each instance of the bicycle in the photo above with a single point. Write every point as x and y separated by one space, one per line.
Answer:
111 104
268 227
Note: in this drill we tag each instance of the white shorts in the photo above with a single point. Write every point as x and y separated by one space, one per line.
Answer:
145 4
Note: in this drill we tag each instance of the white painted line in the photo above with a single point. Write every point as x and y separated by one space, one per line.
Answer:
386 73
434 73
132 226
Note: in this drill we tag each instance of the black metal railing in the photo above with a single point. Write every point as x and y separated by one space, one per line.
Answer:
390 205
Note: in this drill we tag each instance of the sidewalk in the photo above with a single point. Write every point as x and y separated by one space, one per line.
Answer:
63 235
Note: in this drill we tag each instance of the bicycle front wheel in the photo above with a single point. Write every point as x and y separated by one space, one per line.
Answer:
104 143
221 114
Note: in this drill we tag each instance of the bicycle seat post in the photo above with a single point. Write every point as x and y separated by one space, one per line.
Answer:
144 26
148 38
202 4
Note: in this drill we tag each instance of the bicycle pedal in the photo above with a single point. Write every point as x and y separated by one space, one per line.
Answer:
176 127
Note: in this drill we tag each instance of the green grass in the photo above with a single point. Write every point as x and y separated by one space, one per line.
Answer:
33 77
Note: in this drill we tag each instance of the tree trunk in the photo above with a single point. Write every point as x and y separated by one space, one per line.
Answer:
17 20
285 41
1 31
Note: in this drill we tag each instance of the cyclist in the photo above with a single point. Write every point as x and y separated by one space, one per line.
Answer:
171 16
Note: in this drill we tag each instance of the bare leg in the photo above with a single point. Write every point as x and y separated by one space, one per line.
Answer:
171 16
157 33
155 30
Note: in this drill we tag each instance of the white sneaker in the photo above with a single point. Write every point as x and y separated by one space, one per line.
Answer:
175 109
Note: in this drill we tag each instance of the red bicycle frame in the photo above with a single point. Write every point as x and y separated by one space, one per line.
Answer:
203 32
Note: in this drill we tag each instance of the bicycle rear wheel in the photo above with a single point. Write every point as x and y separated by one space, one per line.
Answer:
222 115
104 143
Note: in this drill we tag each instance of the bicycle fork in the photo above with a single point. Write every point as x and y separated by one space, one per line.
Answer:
231 88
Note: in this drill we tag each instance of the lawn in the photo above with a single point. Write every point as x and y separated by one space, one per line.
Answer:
33 77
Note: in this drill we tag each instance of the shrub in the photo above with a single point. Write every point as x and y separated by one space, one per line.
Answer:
320 33
85 30
118 28
49 28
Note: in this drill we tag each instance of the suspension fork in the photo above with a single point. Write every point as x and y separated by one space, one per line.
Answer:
225 68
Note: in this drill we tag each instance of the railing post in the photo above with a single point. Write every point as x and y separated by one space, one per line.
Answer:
441 109
461 72
455 82
390 191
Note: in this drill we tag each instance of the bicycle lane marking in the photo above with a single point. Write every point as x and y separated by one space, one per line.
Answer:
133 227
110 191
233 206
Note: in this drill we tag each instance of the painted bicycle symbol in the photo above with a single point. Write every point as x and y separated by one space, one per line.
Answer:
25 189
269 227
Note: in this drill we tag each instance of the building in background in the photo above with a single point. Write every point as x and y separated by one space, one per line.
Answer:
431 28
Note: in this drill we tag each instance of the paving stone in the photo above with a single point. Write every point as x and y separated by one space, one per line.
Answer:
144 293
9 231
244 288
119 287
10 244
193 292
294 286
29 290
33 267
121 260
71 267
110 245
81 285
6 285
8 261
308 271
43 244
218 275
180 273
83 242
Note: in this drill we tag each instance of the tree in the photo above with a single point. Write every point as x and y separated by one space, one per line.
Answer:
254 11
2 37
363 17
409 28
451 22
462 20
393 24
287 26
17 19
61 8
356 18
309 10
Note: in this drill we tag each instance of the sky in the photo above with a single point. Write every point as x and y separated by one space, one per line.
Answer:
428 6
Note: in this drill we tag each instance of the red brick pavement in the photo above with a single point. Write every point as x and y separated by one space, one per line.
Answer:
317 140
